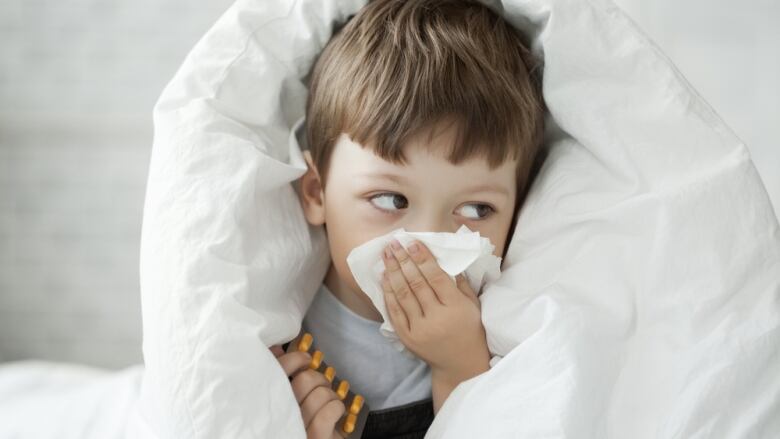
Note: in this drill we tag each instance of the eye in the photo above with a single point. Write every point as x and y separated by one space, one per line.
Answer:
482 211
390 202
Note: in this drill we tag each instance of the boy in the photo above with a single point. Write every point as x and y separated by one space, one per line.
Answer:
421 114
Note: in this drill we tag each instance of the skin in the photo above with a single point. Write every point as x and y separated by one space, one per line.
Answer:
437 320
320 407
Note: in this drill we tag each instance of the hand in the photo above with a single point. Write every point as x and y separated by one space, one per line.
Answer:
436 319
320 406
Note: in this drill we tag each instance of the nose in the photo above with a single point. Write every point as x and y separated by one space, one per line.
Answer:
433 223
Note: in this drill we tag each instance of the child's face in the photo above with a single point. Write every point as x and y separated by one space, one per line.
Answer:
428 194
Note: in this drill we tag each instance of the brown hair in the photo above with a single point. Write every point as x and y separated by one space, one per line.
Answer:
400 66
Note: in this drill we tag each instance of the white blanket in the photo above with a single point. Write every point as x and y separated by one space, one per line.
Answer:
640 296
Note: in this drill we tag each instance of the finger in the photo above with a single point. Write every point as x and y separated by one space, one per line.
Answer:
414 278
292 362
316 402
463 285
437 278
323 426
305 382
403 292
277 350
397 315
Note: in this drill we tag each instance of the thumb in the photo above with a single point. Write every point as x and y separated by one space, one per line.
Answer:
465 288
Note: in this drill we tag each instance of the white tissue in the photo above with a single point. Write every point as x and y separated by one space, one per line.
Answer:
461 252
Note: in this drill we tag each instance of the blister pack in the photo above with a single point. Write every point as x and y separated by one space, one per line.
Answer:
353 421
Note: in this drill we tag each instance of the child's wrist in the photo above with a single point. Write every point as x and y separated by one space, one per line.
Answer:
443 382
463 371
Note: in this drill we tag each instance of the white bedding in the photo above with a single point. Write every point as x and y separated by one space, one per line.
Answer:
41 399
641 292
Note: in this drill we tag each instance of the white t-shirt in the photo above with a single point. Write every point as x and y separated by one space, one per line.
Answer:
361 355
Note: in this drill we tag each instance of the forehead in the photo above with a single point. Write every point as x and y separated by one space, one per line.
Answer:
426 164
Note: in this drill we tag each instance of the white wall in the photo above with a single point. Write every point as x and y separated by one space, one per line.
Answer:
78 80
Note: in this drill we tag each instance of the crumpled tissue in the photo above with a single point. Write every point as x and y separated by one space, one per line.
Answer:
464 251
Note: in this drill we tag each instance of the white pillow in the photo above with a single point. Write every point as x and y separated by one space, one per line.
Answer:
639 296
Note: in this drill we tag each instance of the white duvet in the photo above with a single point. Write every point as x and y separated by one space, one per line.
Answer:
640 295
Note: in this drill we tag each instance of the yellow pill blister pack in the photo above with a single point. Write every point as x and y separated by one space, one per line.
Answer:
353 421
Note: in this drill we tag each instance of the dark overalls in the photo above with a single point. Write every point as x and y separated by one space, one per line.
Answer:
408 421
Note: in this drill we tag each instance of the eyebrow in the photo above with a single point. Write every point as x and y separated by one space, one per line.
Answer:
474 189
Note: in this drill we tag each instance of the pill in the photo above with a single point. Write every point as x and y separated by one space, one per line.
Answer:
357 404
330 373
343 388
305 342
316 359
349 423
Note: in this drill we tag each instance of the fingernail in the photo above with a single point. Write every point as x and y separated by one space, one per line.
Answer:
413 248
395 244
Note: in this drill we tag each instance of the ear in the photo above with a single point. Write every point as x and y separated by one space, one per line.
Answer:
311 193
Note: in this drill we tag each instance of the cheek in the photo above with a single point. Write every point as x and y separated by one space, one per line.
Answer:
356 220
498 241
348 228
351 221
497 232
343 237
